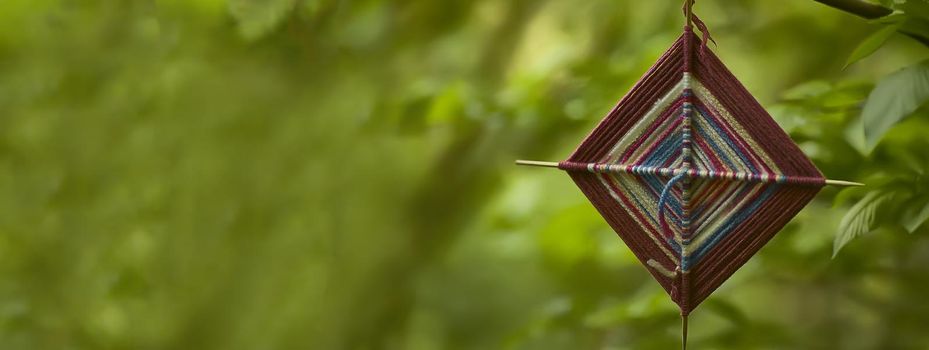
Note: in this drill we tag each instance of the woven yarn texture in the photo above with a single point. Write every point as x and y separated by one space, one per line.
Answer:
692 173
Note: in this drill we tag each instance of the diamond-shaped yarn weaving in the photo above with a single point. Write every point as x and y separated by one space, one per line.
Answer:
692 173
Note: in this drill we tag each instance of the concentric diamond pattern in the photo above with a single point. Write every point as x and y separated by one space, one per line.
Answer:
692 173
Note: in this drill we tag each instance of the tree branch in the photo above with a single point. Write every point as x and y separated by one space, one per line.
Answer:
859 8
870 10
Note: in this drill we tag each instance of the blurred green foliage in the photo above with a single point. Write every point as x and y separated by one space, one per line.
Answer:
324 174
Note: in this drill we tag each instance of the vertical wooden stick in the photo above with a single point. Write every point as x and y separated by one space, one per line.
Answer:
684 332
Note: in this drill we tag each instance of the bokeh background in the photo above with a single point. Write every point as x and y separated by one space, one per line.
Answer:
325 174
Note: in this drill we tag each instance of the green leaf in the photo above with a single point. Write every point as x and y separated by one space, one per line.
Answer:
892 18
256 18
895 97
854 135
807 90
846 95
846 196
858 220
871 44
914 216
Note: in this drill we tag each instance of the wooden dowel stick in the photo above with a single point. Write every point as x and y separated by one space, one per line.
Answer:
684 332
842 183
536 163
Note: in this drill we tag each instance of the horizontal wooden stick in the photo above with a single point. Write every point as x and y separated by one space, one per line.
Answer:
842 183
536 163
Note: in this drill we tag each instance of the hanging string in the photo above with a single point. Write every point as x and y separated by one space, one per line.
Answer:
689 11
694 20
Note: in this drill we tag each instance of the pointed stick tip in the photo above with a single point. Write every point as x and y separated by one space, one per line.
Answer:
843 183
683 331
537 163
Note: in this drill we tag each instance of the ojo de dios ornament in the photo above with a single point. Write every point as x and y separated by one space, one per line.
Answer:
691 172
